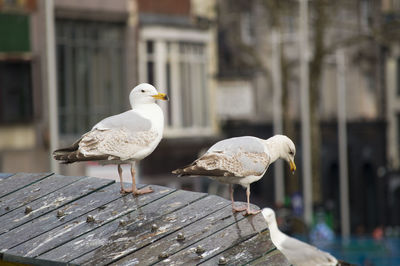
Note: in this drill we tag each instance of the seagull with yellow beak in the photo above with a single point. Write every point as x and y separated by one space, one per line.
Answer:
242 161
124 138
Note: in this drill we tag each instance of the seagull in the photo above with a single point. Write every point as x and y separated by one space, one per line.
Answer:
124 138
298 253
241 160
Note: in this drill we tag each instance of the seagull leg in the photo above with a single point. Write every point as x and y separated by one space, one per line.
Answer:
136 191
123 190
235 209
248 211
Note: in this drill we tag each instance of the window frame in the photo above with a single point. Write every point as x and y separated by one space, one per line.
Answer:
167 42
81 47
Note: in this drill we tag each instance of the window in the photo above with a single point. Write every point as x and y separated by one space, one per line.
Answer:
247 28
15 92
14 33
178 67
15 74
90 73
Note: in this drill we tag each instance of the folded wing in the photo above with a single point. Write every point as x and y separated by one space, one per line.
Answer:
240 157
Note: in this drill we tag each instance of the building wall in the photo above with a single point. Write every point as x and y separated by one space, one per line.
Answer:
348 27
25 146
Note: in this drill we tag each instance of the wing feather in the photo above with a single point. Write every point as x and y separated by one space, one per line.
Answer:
106 144
240 164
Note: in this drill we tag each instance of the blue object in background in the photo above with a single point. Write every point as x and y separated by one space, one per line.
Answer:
366 251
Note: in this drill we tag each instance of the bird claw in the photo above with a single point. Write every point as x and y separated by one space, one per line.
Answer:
238 209
249 212
142 191
125 191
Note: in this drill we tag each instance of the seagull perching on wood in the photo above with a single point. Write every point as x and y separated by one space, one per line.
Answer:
241 160
298 253
124 138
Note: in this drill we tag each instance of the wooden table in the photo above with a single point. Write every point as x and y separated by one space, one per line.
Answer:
49 219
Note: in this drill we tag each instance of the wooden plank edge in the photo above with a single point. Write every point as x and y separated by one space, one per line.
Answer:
5 175
45 175
68 202
206 236
148 221
176 230
30 261
44 195
172 190
83 214
240 243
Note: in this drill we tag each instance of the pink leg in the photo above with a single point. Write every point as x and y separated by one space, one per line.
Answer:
134 190
235 209
248 211
123 190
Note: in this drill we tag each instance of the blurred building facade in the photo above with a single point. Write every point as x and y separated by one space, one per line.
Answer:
103 49
365 31
217 61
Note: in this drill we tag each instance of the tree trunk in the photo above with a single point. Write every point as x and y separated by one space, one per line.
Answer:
316 66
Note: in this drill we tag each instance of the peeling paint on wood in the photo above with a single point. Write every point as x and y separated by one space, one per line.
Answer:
18 181
166 227
50 202
78 226
35 191
273 258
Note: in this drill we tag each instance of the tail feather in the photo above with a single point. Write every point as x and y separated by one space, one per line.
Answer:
71 154
75 156
203 169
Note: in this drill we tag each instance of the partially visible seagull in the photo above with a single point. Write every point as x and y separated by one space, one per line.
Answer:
298 253
124 138
241 160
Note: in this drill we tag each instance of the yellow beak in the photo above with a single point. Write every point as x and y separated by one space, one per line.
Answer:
292 166
161 96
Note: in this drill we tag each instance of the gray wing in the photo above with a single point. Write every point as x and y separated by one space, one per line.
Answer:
130 120
300 253
246 143
116 137
240 157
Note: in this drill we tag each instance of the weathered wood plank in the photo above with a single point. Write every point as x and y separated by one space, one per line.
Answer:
5 175
246 251
61 216
84 244
51 201
219 242
22 261
36 190
273 258
18 181
193 233
60 235
135 238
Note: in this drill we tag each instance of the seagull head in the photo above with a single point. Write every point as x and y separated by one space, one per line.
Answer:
145 93
287 150
269 215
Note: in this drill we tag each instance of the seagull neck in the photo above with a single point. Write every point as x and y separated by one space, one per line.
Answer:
141 105
135 103
274 147
276 234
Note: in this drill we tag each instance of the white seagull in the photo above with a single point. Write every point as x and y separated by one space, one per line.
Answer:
241 160
296 252
124 138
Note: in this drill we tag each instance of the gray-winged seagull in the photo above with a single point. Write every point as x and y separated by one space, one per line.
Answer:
296 252
124 138
241 160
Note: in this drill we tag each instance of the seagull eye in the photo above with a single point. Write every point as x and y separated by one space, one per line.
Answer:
142 90
291 152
